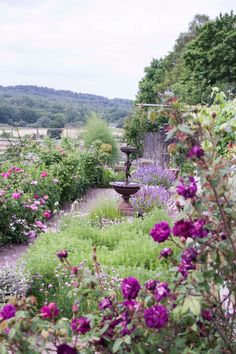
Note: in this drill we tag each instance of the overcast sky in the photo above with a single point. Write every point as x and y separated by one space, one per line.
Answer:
91 46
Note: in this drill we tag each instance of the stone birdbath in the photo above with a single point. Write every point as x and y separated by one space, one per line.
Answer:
126 188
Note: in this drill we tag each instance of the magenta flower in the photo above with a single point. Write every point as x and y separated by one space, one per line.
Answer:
66 349
151 284
189 255
40 225
62 254
81 325
183 228
131 305
47 214
6 312
44 174
49 311
130 288
6 175
32 207
156 316
160 232
184 268
199 229
16 195
187 190
161 291
196 151
31 234
105 303
166 252
207 315
18 169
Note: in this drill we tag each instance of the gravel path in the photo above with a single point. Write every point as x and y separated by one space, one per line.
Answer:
10 254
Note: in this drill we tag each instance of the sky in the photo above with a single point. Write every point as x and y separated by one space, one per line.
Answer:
92 46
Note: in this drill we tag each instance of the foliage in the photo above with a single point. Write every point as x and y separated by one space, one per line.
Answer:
48 108
104 213
54 133
98 134
203 57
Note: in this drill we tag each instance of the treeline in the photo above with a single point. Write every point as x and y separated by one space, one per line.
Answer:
48 108
202 57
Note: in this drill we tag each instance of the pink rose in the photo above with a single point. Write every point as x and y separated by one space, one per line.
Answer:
16 195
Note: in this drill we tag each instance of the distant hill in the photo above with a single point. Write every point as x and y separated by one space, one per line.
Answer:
35 106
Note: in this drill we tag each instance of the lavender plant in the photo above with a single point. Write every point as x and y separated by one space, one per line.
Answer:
154 175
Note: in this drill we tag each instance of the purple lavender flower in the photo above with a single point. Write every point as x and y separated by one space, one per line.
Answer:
156 316
199 229
66 349
6 312
160 232
154 175
105 303
62 254
189 255
187 190
80 325
166 252
162 290
185 267
183 228
130 288
151 284
196 151
149 197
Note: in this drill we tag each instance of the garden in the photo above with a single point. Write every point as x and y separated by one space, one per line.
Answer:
162 281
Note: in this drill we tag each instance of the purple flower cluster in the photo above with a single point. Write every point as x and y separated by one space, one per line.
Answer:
161 291
196 152
130 288
185 229
187 190
156 316
149 197
80 325
160 232
154 175
6 312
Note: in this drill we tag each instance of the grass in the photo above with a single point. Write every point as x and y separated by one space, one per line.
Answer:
106 209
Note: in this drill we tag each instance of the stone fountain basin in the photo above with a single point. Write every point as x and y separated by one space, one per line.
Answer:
125 188
128 149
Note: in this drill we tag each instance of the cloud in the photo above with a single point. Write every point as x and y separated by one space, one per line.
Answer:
91 46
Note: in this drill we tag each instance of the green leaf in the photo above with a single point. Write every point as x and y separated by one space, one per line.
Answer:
185 129
194 305
116 346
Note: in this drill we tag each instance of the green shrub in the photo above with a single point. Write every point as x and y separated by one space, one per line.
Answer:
126 247
98 132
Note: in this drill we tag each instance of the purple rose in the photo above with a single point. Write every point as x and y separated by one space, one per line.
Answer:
166 252
130 288
187 190
156 316
66 349
151 284
206 315
183 228
189 255
160 232
185 267
199 229
81 325
7 311
196 151
105 303
162 290
131 305
62 254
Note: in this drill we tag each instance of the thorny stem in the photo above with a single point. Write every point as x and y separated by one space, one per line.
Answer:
97 267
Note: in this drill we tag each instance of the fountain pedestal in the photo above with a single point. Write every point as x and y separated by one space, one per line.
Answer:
126 188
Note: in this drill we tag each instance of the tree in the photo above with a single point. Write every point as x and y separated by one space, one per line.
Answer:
210 59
